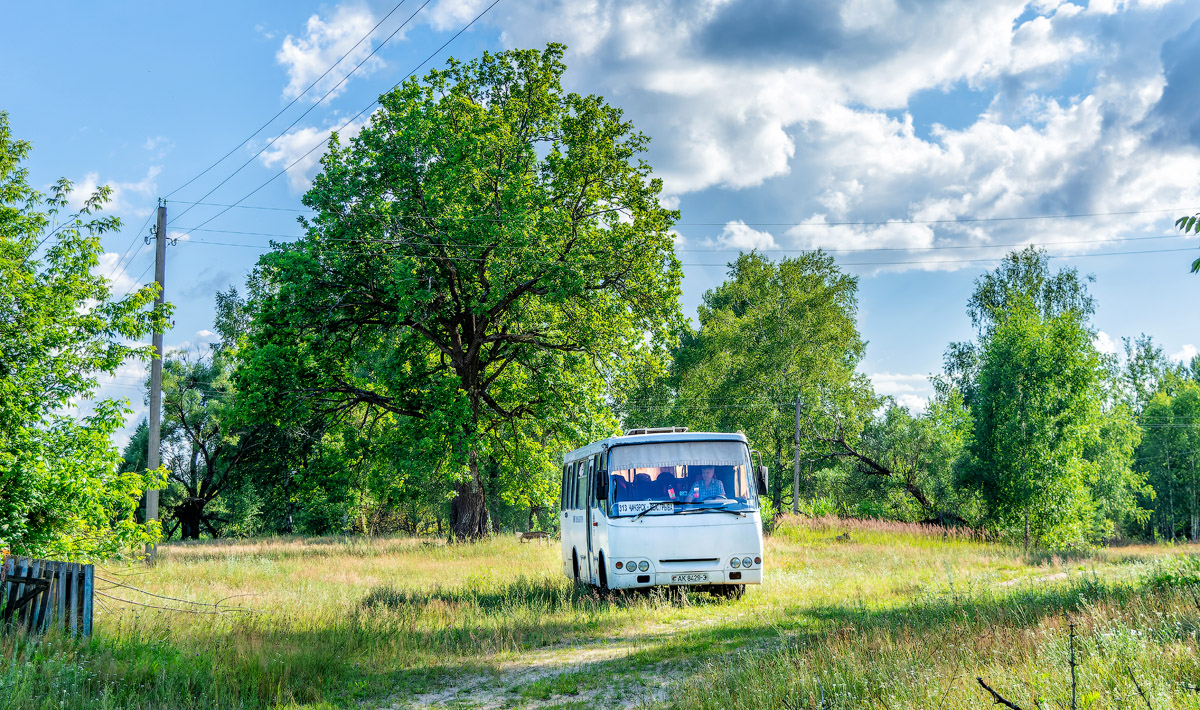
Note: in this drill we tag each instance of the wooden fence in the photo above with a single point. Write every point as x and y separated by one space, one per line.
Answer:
39 595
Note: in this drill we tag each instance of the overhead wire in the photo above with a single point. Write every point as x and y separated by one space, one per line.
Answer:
310 108
267 248
129 249
137 284
860 223
353 118
802 250
293 101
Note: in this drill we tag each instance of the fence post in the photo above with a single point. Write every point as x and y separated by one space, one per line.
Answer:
88 590
73 600
58 619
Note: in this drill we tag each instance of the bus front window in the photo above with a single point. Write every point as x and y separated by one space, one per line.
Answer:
700 474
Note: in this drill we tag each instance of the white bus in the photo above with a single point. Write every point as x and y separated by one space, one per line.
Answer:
664 507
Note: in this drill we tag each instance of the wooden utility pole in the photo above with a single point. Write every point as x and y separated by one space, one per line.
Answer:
796 468
152 462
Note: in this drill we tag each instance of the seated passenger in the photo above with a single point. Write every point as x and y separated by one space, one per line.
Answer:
706 487
642 486
668 486
620 487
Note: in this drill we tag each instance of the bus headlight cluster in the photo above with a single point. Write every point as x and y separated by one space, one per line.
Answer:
747 562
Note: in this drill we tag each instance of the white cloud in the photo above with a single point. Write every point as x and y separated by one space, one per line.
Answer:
294 152
325 41
120 280
912 402
1185 354
1105 344
158 146
814 106
911 391
736 235
453 14
132 197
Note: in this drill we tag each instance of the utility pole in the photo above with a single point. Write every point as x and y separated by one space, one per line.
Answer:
152 462
796 468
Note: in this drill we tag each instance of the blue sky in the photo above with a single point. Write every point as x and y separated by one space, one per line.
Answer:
917 139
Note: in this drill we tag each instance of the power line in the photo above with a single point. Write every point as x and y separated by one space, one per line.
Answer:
137 282
127 252
713 249
310 108
856 263
862 223
293 101
355 117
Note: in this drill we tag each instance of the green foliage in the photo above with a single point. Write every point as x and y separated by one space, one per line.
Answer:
1175 572
486 256
1023 276
1187 224
909 467
772 331
62 494
203 449
1045 453
1167 456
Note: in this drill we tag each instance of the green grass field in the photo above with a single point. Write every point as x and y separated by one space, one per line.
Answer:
897 616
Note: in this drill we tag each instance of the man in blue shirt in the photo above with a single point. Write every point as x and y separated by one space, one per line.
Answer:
707 487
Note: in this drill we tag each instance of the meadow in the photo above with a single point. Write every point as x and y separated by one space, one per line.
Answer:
852 614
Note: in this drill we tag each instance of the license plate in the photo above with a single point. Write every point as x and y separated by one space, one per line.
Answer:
689 578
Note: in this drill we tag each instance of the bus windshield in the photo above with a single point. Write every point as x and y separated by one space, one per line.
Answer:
698 475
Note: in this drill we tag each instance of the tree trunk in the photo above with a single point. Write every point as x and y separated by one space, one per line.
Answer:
1171 498
468 509
776 488
1027 528
189 513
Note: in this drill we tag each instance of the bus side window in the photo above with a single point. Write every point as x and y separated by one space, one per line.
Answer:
571 469
597 471
562 492
581 486
589 488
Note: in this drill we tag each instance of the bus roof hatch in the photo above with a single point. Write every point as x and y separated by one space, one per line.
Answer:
658 430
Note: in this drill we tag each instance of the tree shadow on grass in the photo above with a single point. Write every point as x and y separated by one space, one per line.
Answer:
372 653
538 593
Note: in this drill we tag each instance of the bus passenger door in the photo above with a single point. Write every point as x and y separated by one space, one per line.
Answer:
587 520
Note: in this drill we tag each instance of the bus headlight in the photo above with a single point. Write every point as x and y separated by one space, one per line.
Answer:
643 566
735 562
631 565
746 561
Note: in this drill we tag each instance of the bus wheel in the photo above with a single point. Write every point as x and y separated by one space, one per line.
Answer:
575 565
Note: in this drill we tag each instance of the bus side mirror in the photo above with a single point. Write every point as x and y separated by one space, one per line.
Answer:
602 485
762 480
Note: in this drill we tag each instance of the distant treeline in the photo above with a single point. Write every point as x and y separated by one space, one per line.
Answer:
1031 433
490 280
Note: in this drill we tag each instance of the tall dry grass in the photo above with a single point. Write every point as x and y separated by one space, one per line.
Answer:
860 613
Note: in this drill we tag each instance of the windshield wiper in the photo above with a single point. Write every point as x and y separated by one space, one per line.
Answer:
665 502
717 510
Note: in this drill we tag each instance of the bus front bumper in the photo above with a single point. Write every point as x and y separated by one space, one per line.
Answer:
668 579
